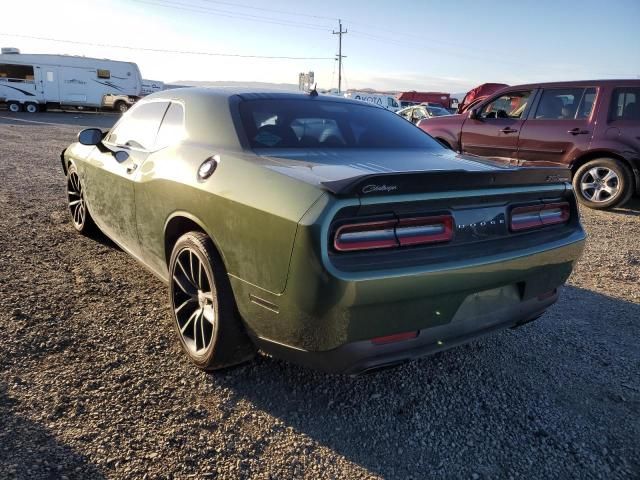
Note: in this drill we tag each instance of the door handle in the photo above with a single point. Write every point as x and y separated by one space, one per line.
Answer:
577 131
132 168
508 130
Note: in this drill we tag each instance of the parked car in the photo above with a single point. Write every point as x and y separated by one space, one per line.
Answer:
320 229
419 112
591 127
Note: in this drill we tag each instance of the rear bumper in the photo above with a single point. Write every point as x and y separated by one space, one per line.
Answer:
361 356
326 319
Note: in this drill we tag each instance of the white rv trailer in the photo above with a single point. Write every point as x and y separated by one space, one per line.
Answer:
33 81
151 86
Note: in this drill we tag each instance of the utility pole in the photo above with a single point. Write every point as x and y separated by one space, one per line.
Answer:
339 57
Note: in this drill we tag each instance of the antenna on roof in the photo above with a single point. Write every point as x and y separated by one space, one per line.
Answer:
314 92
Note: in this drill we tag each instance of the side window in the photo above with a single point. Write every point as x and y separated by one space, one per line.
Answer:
172 128
510 105
16 73
103 73
139 127
559 103
625 104
586 105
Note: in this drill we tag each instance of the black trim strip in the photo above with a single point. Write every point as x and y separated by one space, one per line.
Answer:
109 84
441 181
513 148
541 150
29 94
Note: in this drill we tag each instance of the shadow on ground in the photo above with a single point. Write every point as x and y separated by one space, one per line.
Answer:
28 451
536 399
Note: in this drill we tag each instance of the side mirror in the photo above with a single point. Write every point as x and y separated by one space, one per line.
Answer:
474 114
120 156
90 136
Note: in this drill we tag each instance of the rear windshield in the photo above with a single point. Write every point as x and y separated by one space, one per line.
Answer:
317 123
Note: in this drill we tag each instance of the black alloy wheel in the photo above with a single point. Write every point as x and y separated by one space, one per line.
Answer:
205 315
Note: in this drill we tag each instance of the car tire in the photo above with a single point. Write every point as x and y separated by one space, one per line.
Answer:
204 311
80 217
31 107
121 107
603 183
14 107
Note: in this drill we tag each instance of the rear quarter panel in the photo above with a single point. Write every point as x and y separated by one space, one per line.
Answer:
250 212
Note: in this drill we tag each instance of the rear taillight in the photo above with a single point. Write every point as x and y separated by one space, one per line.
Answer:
366 236
414 231
536 216
394 233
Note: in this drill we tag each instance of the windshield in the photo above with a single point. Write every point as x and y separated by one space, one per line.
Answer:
437 111
316 123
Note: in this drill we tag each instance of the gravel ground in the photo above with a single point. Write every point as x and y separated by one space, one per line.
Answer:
93 383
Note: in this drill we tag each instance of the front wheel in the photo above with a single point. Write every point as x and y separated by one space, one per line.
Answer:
204 310
603 183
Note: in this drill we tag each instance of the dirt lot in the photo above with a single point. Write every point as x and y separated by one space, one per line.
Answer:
93 384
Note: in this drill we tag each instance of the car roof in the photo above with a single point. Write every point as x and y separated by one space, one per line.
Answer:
194 93
577 83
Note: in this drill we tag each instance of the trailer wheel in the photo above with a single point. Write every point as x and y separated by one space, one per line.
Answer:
31 107
121 107
14 107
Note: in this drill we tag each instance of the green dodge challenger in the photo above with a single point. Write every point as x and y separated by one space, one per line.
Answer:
319 229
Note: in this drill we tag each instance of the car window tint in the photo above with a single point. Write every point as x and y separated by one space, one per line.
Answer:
625 104
312 132
509 105
319 123
559 103
139 127
586 105
172 128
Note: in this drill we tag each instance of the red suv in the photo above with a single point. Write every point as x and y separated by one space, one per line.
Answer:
593 127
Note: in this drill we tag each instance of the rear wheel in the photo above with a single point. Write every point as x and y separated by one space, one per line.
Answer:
14 107
80 217
31 107
121 107
603 183
204 310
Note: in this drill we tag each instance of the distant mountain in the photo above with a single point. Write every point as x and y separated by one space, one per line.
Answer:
258 85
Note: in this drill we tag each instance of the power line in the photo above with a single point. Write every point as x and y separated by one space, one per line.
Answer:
162 50
231 14
272 10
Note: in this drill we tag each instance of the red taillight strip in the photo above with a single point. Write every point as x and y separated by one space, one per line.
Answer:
366 236
397 337
413 231
393 233
534 216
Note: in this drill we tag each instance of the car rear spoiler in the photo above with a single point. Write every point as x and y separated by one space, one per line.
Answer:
440 181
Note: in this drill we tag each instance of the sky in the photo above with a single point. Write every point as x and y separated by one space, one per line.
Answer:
426 45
